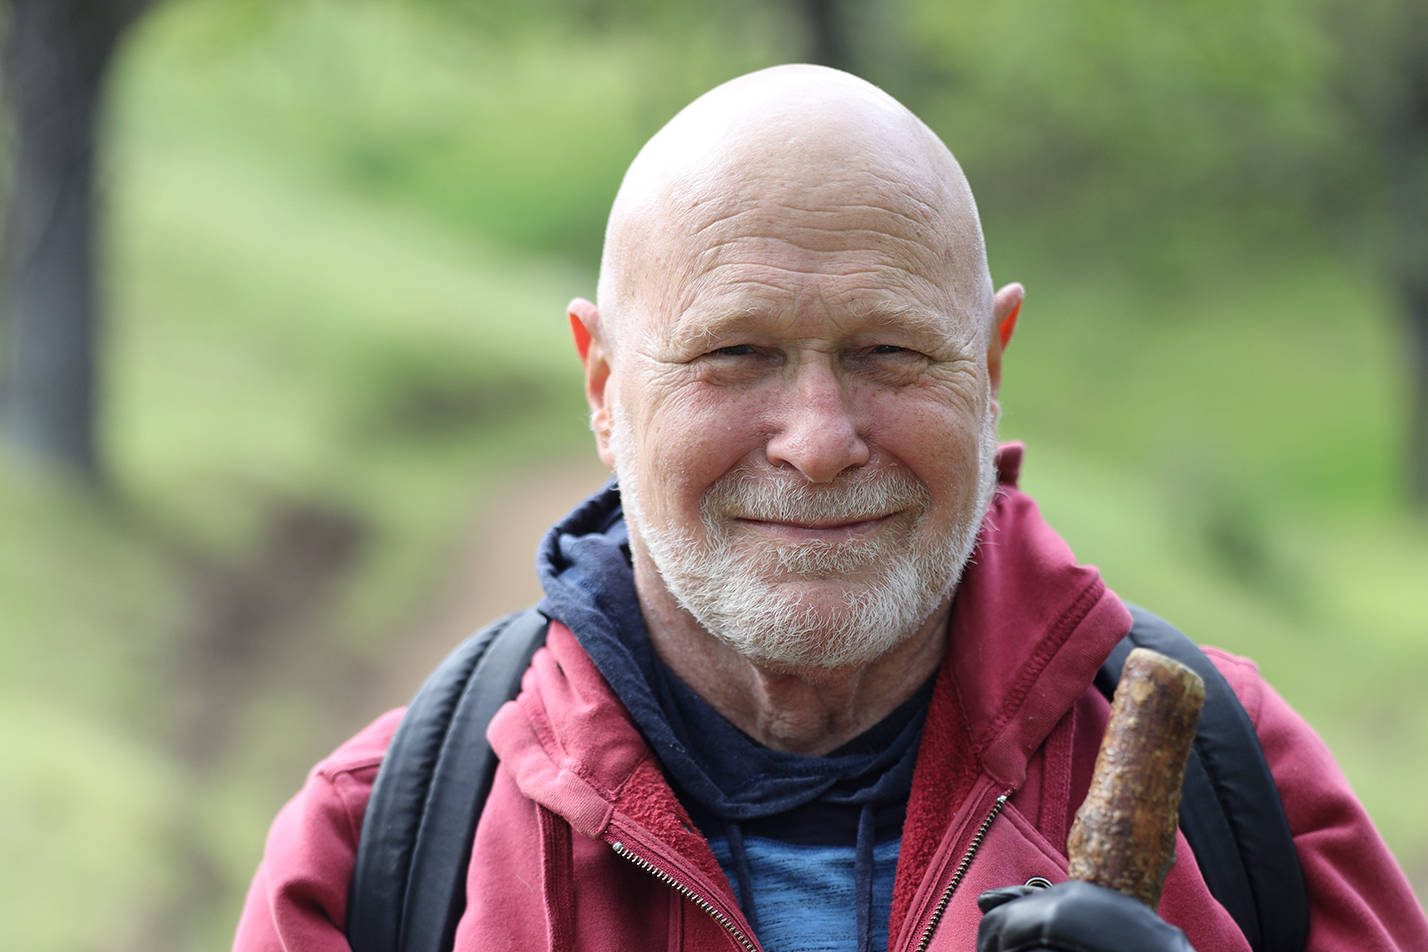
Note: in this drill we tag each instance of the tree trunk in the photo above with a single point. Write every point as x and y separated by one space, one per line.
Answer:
827 36
1416 299
55 60
1407 142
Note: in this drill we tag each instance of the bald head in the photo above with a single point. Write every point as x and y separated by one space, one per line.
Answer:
805 156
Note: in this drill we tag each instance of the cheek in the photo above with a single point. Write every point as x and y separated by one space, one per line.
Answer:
692 438
938 443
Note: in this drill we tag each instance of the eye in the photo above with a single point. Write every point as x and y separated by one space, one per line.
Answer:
889 363
893 351
737 363
735 350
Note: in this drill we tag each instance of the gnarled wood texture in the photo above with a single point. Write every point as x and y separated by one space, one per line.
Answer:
1124 834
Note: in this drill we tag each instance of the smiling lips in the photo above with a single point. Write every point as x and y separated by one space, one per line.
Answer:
827 530
860 506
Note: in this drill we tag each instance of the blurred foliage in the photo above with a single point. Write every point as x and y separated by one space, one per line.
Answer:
1143 132
440 123
340 242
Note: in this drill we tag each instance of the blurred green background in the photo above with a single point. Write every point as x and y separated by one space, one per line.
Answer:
338 400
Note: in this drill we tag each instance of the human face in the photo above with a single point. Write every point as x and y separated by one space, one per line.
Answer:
803 430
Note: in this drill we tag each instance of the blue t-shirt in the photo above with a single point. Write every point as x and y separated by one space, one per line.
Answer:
806 895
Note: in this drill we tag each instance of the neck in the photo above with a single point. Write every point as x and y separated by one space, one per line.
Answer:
803 710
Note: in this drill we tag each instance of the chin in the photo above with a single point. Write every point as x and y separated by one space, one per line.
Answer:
833 624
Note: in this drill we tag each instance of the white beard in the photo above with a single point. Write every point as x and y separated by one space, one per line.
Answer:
747 595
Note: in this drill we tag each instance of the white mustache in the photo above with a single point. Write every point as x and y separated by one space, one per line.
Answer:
854 498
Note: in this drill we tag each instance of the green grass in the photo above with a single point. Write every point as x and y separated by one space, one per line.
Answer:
340 244
95 802
354 355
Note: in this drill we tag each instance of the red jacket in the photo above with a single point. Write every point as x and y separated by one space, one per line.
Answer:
582 844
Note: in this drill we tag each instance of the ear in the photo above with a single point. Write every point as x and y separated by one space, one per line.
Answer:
1006 307
589 344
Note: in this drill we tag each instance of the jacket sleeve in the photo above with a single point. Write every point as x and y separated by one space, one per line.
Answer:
1359 898
298 897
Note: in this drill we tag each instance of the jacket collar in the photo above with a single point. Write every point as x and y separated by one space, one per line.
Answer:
1029 629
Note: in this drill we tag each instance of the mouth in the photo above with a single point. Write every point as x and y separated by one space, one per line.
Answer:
830 530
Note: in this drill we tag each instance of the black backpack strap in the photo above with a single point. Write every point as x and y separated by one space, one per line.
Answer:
1230 811
409 882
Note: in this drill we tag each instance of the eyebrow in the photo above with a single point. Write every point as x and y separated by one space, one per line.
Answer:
721 323
915 322
904 317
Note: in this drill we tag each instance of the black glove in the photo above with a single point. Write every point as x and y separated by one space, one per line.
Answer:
1072 917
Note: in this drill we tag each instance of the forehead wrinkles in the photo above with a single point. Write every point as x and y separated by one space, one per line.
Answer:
829 194
851 247
736 293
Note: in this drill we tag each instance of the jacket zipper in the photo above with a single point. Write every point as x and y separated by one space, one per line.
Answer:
960 872
688 893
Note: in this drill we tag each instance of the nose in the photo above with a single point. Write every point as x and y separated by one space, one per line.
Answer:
817 433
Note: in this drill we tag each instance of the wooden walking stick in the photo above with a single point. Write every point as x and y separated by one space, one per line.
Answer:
1124 833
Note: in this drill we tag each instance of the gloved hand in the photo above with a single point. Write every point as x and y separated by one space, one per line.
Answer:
1072 917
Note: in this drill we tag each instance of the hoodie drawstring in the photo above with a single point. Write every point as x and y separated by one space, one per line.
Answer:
735 835
863 878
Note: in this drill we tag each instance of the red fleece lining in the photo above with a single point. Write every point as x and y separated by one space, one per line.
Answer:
1056 780
647 799
942 779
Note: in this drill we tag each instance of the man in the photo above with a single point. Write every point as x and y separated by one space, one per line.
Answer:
818 675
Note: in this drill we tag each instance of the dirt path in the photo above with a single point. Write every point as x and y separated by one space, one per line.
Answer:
493 570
